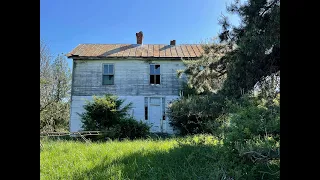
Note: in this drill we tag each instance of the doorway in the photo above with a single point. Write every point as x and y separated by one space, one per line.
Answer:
156 114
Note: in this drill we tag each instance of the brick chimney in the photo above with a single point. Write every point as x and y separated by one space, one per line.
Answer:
173 42
139 36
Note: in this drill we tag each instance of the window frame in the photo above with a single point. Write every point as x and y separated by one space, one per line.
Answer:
108 74
154 74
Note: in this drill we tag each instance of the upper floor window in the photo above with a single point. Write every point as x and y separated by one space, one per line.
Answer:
154 74
108 74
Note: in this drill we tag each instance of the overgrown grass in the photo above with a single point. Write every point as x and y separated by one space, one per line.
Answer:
197 157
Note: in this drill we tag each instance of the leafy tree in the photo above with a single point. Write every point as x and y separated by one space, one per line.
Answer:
46 81
55 117
61 79
55 86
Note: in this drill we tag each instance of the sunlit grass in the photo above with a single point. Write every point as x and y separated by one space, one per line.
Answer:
197 157
139 159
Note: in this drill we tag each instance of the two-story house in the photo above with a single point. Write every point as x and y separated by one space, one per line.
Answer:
144 74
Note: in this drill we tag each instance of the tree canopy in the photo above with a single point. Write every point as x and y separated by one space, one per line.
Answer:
55 86
245 56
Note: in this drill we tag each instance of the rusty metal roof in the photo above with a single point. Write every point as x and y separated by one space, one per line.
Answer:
136 50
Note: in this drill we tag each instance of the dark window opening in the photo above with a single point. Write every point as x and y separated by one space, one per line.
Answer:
154 74
146 113
154 79
157 79
108 79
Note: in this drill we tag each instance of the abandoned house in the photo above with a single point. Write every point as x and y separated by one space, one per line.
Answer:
144 74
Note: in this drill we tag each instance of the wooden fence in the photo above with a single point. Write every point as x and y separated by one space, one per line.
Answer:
81 134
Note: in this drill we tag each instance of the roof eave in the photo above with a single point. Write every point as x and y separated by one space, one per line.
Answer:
75 57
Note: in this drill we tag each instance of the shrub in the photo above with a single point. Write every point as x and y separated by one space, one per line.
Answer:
254 134
254 117
128 128
195 114
107 114
103 112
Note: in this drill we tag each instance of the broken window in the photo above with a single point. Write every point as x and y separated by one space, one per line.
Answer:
108 74
154 74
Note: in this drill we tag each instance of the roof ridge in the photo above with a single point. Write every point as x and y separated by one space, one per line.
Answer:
133 44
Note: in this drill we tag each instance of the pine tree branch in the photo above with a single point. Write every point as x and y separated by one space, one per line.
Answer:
268 7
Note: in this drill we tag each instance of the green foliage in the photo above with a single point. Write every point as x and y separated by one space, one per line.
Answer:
191 157
128 128
208 73
55 117
254 133
108 114
104 112
249 128
257 40
55 86
246 62
254 117
246 56
61 79
187 90
195 114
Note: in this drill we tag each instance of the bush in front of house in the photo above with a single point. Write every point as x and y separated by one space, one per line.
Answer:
103 112
249 128
128 128
109 115
195 114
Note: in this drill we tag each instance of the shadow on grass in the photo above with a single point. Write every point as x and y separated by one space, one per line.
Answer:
182 162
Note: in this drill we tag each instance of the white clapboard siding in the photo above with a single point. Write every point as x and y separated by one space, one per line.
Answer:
131 82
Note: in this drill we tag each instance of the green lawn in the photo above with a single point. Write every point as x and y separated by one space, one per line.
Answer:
139 159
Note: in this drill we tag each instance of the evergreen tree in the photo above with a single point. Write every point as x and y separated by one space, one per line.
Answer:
257 39
246 56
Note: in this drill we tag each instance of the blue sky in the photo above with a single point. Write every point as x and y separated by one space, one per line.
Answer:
66 23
